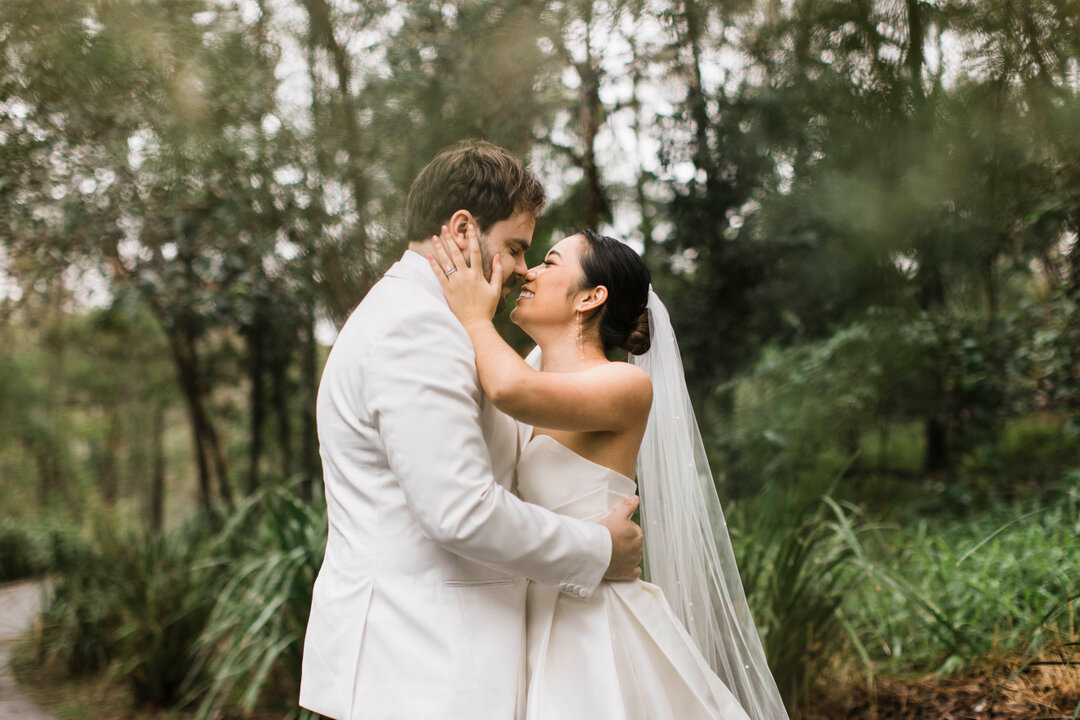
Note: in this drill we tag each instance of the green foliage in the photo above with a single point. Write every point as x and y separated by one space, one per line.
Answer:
79 623
795 569
1054 353
805 406
804 411
22 551
162 608
193 616
33 548
941 595
267 558
1038 449
134 603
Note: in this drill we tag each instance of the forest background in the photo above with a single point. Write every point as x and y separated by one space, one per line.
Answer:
863 215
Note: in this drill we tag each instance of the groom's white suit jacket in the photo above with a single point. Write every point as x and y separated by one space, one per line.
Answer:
419 607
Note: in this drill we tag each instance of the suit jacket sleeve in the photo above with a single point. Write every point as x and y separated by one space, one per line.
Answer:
421 387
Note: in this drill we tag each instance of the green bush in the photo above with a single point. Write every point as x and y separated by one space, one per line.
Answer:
796 571
193 616
800 414
251 649
1036 448
80 621
164 607
31 549
136 603
805 410
940 595
23 552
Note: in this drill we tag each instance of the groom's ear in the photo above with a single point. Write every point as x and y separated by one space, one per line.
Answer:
459 223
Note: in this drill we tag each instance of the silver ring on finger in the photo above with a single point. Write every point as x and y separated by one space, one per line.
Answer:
450 270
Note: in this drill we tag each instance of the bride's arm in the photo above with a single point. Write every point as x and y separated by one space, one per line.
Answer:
612 396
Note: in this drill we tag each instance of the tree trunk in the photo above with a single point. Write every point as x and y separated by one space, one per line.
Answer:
189 387
309 450
110 482
931 299
322 33
280 391
208 452
644 206
695 92
48 477
591 111
217 455
936 458
915 51
256 363
157 475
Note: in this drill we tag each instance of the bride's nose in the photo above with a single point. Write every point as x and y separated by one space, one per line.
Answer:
530 274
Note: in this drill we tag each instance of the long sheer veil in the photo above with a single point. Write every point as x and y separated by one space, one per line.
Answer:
688 551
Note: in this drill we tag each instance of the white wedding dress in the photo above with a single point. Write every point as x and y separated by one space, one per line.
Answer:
622 654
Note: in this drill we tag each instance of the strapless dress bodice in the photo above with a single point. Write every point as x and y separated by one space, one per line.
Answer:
555 477
622 654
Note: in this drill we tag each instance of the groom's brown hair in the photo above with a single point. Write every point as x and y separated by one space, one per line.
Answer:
472 175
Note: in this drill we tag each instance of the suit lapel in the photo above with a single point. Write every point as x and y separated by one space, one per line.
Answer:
499 429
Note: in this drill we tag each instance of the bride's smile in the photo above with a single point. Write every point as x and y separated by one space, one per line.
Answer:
552 291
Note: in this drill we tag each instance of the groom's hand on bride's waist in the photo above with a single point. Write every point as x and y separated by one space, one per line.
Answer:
626 542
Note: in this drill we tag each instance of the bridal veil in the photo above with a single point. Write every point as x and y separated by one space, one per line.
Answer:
688 551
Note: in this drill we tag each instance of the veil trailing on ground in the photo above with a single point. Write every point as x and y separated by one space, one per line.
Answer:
688 550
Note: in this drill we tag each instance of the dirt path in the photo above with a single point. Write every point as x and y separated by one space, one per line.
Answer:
19 605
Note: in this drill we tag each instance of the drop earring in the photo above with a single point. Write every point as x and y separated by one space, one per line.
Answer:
580 336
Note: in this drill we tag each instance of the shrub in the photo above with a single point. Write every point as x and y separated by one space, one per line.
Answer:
163 608
134 602
23 551
941 596
1039 448
31 549
251 649
796 574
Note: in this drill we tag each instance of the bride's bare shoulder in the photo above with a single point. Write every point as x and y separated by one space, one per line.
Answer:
629 380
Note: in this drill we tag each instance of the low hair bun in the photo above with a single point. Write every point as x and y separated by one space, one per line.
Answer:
640 339
623 321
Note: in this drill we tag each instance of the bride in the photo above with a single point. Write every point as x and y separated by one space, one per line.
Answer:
686 646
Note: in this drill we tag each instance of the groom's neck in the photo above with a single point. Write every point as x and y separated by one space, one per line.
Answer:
424 248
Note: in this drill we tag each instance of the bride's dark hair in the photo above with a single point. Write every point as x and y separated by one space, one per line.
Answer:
624 322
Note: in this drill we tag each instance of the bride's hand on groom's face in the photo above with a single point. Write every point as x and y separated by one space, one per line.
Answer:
471 296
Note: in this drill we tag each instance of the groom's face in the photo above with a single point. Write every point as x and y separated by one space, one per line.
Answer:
508 238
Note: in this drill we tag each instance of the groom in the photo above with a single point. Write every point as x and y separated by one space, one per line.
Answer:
419 607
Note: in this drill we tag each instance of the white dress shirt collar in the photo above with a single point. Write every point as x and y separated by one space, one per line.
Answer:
415 266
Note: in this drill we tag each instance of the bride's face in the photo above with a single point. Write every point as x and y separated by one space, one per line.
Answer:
549 295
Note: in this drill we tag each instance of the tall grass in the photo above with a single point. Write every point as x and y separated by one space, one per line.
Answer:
215 620
163 609
250 651
133 603
33 548
941 596
797 574
194 616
